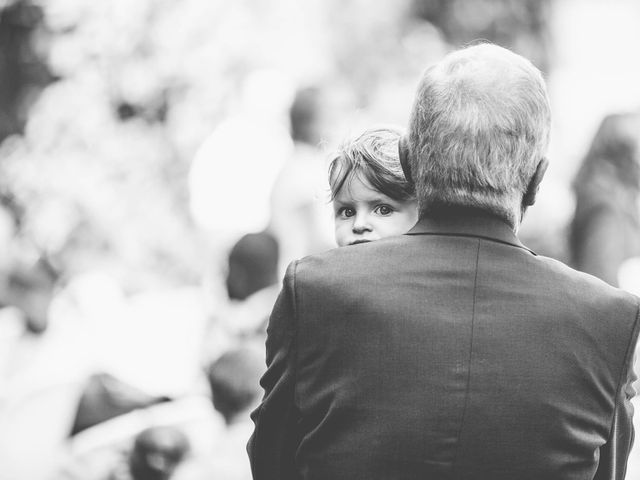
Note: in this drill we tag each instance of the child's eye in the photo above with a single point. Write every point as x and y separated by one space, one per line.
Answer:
383 210
346 212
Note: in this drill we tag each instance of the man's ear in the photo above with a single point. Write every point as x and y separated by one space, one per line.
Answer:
529 197
403 152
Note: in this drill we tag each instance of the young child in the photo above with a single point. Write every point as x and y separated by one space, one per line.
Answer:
371 197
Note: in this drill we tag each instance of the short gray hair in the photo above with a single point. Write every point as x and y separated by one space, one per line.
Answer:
479 127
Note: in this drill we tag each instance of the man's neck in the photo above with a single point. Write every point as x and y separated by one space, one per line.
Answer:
443 211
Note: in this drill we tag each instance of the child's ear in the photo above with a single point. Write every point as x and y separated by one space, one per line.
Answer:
403 153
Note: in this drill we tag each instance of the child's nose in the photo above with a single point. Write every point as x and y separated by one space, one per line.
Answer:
361 224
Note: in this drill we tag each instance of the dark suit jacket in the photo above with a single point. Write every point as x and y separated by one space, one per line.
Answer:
451 352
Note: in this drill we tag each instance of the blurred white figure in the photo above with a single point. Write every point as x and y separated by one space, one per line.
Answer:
605 230
629 275
301 214
155 345
150 340
233 172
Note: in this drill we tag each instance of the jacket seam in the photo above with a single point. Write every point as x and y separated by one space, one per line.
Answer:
468 383
624 373
626 362
295 338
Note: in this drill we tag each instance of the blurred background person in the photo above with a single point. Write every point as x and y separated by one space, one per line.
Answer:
253 264
234 382
155 455
152 454
300 204
605 230
232 379
252 284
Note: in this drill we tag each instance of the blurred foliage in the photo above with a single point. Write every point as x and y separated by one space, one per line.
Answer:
99 160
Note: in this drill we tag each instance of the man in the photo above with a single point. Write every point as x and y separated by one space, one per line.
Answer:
452 352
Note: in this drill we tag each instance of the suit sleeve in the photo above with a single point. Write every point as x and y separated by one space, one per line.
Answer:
273 444
615 453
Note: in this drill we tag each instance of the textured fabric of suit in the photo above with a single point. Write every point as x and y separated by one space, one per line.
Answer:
451 352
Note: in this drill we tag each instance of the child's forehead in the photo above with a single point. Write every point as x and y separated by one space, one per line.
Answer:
357 188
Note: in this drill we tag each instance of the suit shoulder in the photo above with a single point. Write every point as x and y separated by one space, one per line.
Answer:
589 288
344 263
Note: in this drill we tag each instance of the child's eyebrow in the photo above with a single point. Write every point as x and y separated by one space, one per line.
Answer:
337 205
373 200
380 200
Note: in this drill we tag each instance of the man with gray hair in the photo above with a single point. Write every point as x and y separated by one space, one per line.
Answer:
452 352
478 133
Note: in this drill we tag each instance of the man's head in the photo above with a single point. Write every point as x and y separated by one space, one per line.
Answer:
253 265
156 453
306 115
478 133
234 379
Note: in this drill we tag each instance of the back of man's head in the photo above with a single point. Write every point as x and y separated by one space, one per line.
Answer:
234 379
253 265
478 132
305 115
156 453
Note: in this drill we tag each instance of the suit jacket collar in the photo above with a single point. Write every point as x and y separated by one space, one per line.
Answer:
467 222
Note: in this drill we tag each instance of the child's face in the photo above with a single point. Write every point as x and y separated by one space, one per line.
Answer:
363 214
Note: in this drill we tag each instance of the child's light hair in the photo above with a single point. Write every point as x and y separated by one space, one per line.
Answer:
372 157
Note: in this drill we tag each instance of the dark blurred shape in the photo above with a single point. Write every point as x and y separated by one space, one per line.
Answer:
305 116
23 70
105 397
26 283
10 203
521 25
126 111
605 230
153 111
234 379
253 265
30 288
156 453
